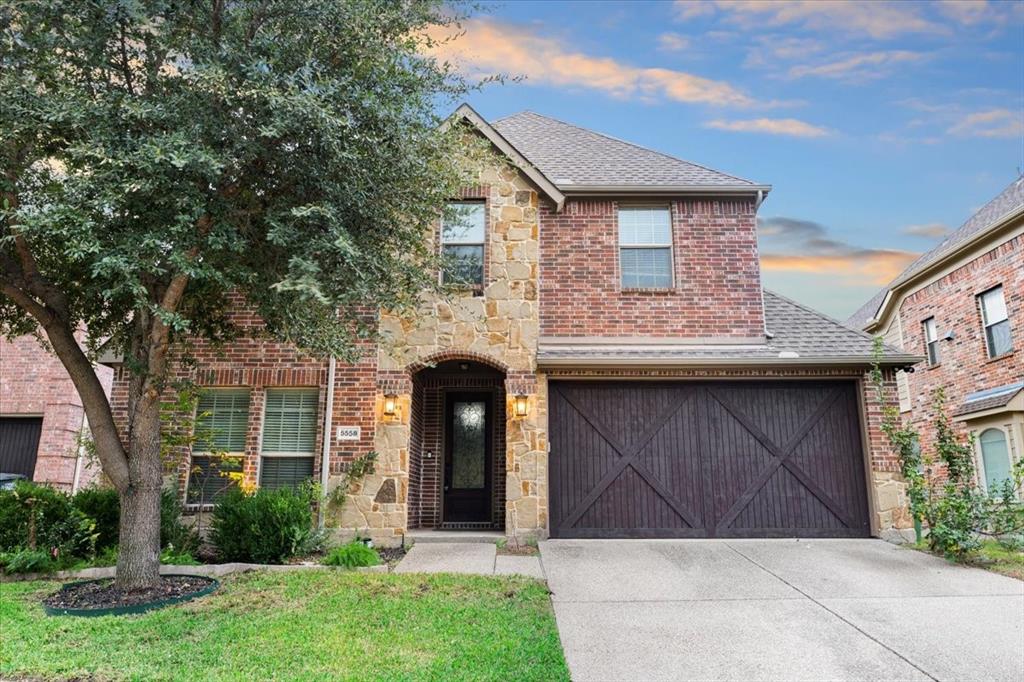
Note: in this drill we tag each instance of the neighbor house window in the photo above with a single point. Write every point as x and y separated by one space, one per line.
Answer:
995 459
931 341
645 248
289 437
222 420
997 325
462 243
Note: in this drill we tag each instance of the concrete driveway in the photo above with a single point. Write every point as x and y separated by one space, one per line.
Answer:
779 610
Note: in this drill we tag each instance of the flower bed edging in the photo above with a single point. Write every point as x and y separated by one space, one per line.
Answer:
206 570
131 609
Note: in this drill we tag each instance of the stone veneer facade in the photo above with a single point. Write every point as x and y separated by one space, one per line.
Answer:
497 325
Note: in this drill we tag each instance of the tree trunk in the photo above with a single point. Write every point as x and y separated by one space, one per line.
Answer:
138 560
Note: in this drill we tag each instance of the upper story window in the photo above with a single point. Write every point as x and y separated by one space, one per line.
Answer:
289 437
645 247
462 243
931 341
996 322
222 420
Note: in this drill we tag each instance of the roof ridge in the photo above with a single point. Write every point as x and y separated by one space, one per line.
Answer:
923 258
626 142
818 313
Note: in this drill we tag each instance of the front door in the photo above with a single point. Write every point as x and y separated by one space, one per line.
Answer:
467 461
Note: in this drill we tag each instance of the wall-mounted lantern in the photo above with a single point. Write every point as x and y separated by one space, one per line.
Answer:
390 404
522 405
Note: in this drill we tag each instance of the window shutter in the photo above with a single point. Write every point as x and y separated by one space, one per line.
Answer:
279 472
223 419
289 422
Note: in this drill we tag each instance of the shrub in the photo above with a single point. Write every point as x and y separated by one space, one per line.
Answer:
174 533
27 561
102 505
352 555
177 558
37 517
266 527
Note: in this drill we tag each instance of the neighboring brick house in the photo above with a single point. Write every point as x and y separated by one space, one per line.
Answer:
607 365
41 417
961 305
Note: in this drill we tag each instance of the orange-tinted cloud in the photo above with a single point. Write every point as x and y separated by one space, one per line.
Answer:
858 67
793 245
490 47
990 123
772 126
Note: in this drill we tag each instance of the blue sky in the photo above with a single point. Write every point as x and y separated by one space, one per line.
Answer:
880 125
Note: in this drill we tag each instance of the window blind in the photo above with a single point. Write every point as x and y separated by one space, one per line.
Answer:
222 421
289 421
279 472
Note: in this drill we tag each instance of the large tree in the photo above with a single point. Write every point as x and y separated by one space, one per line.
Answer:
159 156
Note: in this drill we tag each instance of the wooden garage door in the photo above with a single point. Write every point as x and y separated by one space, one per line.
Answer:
19 441
716 459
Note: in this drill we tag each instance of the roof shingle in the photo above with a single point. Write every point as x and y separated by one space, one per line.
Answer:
574 157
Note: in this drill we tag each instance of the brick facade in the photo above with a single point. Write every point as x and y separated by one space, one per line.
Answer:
715 269
964 365
33 383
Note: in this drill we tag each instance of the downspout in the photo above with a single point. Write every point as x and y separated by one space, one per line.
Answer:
325 456
757 204
77 480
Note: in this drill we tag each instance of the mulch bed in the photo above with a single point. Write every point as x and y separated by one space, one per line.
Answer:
101 594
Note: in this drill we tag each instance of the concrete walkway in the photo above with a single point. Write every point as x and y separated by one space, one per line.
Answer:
467 557
779 610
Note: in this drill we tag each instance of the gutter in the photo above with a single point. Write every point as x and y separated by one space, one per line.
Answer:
325 455
658 362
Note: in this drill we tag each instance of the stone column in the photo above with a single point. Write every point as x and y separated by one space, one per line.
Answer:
526 496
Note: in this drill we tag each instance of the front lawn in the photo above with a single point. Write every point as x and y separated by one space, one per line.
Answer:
298 625
991 556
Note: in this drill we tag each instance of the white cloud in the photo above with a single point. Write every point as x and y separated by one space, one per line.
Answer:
673 42
927 230
772 126
858 68
991 123
878 19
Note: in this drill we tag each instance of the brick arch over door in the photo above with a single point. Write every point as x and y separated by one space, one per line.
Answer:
706 459
449 355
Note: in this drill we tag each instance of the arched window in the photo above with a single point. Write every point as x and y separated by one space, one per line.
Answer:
995 457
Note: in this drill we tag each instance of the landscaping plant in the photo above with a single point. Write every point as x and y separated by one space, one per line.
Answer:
161 159
266 526
942 483
352 555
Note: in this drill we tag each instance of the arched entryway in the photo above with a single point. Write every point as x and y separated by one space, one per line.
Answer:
457 449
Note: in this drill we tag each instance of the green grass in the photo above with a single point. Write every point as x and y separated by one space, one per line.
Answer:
310 625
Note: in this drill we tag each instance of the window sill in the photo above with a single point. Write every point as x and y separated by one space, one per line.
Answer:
463 289
654 291
1000 358
931 367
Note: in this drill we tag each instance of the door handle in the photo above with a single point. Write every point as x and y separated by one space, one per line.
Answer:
446 488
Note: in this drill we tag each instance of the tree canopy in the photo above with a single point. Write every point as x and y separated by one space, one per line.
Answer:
160 156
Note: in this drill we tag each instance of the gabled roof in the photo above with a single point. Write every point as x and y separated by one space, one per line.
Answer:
799 336
468 114
1007 205
577 159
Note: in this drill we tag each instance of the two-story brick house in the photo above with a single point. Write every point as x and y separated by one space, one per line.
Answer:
608 365
961 306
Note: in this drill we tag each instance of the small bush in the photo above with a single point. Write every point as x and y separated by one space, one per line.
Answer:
102 505
38 517
27 561
267 527
175 557
352 555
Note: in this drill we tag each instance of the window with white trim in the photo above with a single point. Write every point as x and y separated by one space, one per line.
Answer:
931 341
996 322
645 247
222 421
462 243
995 459
289 437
